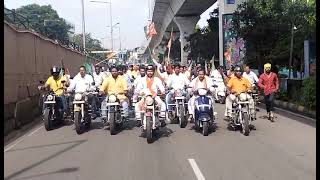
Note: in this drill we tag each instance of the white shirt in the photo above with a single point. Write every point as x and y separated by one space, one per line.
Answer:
81 84
157 84
202 84
215 74
252 77
137 80
98 78
177 81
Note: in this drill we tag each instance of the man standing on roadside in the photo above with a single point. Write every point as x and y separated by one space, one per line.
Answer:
268 81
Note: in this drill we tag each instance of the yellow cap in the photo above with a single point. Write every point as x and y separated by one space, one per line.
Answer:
267 66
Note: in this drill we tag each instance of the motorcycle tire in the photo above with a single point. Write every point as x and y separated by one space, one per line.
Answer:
182 118
77 122
88 123
223 100
205 128
149 133
47 119
245 124
112 123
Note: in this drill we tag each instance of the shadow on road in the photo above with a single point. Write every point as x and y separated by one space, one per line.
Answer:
64 170
76 143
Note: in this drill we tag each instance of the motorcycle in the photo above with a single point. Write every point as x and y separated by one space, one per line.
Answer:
219 91
114 113
241 116
255 95
82 112
51 112
150 122
204 112
179 108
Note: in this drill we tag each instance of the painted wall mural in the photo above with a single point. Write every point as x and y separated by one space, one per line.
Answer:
233 48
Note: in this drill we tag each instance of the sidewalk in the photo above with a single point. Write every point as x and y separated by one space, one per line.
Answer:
294 108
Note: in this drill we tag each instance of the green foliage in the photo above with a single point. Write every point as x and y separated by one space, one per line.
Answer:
265 25
309 92
92 44
204 43
46 21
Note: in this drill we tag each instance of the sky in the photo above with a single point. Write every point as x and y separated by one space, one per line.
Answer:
131 14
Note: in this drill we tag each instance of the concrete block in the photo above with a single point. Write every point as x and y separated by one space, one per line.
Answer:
301 108
9 125
9 110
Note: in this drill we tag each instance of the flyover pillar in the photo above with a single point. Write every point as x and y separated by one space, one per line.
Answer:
186 26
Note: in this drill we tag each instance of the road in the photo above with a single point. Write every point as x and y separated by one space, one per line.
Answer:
284 150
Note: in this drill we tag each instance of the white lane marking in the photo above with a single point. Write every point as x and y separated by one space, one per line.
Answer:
196 169
34 131
21 139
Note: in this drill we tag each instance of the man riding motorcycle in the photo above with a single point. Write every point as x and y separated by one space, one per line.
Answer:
98 76
84 83
150 85
57 84
117 85
236 85
201 81
176 81
251 76
142 73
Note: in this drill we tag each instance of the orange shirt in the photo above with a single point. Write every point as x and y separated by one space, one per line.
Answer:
239 85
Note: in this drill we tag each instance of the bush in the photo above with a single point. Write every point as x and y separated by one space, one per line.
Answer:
309 92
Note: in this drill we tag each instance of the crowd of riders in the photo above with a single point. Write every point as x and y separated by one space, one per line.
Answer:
130 84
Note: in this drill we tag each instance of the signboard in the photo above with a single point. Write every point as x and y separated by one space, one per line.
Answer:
233 48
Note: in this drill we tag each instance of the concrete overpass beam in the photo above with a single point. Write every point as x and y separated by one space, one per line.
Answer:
186 26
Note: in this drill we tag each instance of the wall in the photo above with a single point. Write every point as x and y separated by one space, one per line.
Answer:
28 58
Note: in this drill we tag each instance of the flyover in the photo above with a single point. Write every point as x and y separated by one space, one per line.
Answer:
179 15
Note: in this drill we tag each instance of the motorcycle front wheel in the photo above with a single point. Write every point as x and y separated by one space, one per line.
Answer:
182 118
47 116
245 124
205 128
77 122
149 129
112 124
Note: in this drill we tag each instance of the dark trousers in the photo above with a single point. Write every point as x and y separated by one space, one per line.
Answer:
269 102
93 102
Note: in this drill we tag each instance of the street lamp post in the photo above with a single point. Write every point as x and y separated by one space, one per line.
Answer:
119 32
83 27
111 32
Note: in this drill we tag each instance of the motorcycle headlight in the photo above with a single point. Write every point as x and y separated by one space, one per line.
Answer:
112 98
78 97
50 97
243 97
202 92
149 101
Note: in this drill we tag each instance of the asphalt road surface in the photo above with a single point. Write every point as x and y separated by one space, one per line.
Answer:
284 150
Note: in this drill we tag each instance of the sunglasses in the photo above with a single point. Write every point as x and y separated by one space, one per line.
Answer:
237 70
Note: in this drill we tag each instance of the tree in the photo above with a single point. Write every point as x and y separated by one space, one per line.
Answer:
266 28
46 21
92 44
204 43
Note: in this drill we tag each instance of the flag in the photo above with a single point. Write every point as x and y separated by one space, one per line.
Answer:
151 30
170 40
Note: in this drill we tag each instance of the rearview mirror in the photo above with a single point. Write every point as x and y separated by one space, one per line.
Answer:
41 82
